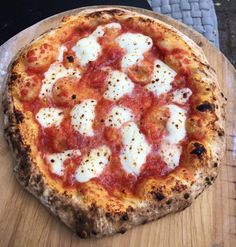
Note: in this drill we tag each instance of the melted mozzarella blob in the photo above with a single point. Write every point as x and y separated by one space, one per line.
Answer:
118 116
49 116
170 150
135 148
118 85
170 153
135 45
93 164
162 78
88 49
82 117
55 72
56 160
176 124
181 96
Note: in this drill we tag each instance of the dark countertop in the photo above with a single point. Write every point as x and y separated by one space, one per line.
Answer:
18 15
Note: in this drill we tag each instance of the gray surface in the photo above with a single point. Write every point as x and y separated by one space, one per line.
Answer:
226 13
199 14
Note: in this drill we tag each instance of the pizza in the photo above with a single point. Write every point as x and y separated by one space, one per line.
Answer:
114 119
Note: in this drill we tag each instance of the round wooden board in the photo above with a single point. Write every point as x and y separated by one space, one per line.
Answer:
210 221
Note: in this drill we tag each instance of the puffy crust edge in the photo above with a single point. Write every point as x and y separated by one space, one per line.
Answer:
91 220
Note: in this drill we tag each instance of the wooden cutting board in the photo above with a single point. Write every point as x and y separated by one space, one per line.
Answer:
210 221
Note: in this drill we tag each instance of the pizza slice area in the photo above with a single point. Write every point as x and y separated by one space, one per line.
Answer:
111 105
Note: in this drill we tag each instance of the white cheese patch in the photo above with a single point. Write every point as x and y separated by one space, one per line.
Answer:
50 116
162 78
135 45
55 72
88 49
61 53
170 150
118 85
82 117
176 124
118 116
93 164
135 148
170 153
56 160
181 96
113 25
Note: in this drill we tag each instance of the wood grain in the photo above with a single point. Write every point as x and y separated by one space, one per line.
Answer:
210 221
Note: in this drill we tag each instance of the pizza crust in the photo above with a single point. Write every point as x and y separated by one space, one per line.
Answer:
93 217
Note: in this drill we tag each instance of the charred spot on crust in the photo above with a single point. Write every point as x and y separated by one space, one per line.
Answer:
169 202
215 164
13 76
145 20
70 59
81 220
221 132
186 196
124 217
179 187
82 234
144 221
200 43
205 107
111 12
199 149
130 209
19 116
208 181
158 196
94 232
122 230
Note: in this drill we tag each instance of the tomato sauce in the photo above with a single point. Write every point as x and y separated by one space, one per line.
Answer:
93 81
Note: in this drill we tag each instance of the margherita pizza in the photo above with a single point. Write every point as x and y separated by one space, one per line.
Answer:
115 119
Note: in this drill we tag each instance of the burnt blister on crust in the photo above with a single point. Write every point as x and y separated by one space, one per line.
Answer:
158 196
199 149
205 107
124 217
99 14
19 116
186 196
221 132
